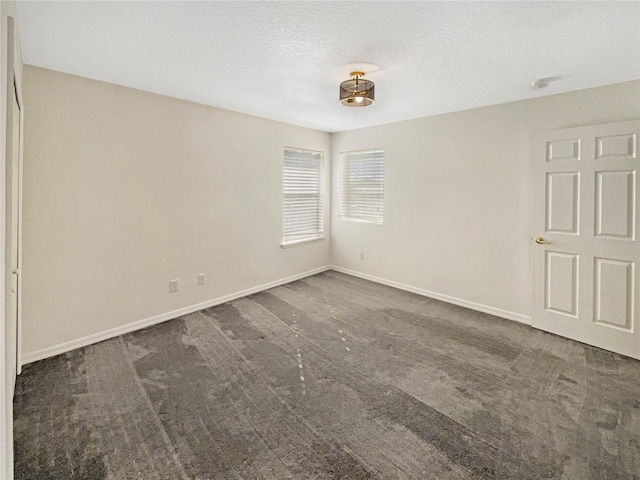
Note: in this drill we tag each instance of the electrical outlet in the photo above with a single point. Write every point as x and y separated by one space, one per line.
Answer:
202 279
361 255
173 286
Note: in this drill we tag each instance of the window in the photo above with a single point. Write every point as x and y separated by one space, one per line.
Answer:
303 212
362 186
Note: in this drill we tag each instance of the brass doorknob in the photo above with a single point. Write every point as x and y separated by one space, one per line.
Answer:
542 241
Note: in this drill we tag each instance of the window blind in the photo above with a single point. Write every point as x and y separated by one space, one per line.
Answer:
362 186
303 218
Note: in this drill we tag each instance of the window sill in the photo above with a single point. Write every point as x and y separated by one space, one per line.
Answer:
302 241
360 220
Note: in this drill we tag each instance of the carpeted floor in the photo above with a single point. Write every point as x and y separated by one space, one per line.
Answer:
331 377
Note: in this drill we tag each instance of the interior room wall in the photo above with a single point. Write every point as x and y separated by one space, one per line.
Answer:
126 190
457 198
7 10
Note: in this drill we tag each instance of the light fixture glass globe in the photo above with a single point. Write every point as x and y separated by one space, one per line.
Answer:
359 99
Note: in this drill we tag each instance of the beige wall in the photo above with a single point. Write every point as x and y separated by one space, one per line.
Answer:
458 197
125 190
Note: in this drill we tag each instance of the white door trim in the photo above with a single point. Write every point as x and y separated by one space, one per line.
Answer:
11 73
19 98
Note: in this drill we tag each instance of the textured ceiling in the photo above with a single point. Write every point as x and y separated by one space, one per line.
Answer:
285 60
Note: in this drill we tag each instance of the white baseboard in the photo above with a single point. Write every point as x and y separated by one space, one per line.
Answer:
147 322
517 317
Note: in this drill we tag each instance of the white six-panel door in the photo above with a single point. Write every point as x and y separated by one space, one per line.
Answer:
585 246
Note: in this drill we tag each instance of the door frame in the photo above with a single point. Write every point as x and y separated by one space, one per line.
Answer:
11 81
14 89
19 186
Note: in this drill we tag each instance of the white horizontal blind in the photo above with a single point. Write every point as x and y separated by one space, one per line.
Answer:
303 207
362 186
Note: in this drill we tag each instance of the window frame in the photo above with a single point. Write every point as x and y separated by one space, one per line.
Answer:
289 238
346 211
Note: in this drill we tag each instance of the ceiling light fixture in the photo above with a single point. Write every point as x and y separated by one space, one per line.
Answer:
357 92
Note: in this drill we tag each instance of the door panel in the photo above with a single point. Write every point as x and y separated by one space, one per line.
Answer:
563 202
616 146
563 150
586 217
614 293
615 203
561 285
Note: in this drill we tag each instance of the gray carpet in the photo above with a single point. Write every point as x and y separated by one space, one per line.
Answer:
331 377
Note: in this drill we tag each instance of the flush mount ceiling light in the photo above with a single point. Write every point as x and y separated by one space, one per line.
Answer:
357 92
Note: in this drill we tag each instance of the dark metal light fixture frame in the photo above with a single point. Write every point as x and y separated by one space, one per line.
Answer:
357 92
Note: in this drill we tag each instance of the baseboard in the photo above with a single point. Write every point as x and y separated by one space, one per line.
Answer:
147 322
517 317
